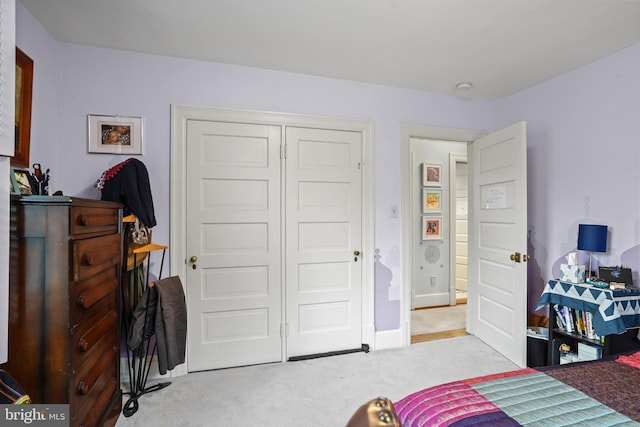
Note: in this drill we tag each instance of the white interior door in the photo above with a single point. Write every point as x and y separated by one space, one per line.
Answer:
497 312
323 241
240 207
233 228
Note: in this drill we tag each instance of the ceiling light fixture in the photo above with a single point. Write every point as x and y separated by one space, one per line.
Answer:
464 86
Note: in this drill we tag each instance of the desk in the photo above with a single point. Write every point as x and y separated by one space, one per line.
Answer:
614 312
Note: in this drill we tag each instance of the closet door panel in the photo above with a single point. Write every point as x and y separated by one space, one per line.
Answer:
233 229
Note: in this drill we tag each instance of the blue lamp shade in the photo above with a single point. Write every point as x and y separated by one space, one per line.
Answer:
592 238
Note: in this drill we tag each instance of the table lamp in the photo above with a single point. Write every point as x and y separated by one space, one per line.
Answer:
592 238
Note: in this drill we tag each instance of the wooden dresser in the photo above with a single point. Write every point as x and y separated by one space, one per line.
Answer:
65 257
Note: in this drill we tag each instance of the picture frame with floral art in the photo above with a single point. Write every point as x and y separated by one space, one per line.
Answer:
432 228
431 175
115 134
431 200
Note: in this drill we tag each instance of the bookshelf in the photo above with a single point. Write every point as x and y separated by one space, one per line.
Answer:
610 344
580 314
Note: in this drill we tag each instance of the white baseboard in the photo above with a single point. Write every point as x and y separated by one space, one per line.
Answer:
388 339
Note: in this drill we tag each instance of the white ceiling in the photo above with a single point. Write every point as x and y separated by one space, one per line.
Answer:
501 46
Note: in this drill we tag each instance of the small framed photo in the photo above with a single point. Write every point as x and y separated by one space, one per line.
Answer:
13 184
431 175
431 200
23 181
431 228
115 134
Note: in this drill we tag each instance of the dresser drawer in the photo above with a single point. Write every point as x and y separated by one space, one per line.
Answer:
92 338
90 256
94 386
88 295
85 220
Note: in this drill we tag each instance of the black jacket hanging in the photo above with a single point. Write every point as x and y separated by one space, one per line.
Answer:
128 183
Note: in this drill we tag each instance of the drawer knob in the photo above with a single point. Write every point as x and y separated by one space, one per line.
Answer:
82 302
82 220
83 388
87 258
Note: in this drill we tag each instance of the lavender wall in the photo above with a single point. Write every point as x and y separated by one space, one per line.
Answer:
583 162
586 118
100 81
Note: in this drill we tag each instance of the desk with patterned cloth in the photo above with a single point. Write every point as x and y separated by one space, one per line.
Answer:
613 311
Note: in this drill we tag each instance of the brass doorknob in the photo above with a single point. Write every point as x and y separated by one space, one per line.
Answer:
193 258
356 253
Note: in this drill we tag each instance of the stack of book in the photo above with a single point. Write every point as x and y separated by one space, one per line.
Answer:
575 321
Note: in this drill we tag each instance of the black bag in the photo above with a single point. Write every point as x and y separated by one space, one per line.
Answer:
11 392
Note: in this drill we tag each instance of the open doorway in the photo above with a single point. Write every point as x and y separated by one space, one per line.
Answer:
427 259
444 321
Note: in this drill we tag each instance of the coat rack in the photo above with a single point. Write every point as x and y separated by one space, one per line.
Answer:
136 307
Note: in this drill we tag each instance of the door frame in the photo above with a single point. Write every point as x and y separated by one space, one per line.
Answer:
454 159
406 133
181 114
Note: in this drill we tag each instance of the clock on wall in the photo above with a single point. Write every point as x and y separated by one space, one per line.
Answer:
432 254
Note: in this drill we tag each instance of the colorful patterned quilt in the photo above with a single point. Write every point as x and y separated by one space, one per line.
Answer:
600 394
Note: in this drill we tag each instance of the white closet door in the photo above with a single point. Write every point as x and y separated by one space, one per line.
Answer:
233 228
323 239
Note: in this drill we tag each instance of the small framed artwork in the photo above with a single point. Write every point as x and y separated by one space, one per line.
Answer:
431 228
13 184
23 181
431 175
115 134
431 200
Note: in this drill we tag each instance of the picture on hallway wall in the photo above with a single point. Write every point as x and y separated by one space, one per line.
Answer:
431 201
431 228
431 175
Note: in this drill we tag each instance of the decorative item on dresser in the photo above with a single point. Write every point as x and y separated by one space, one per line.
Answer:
65 257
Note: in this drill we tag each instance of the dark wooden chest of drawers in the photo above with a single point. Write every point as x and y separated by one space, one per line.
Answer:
65 257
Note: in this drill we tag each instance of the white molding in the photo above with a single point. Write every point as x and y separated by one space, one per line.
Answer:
406 133
181 114
389 339
454 159
7 145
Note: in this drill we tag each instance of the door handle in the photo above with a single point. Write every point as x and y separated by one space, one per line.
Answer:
193 260
357 254
515 257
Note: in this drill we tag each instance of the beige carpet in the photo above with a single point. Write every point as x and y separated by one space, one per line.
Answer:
321 392
439 319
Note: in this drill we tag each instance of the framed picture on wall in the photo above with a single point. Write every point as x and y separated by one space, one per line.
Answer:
115 134
431 175
431 200
24 91
431 228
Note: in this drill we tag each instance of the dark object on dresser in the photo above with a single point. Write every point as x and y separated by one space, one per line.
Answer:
65 257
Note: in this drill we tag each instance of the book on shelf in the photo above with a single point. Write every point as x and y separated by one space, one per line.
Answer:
575 321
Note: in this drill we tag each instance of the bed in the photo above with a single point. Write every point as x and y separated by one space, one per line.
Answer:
599 393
